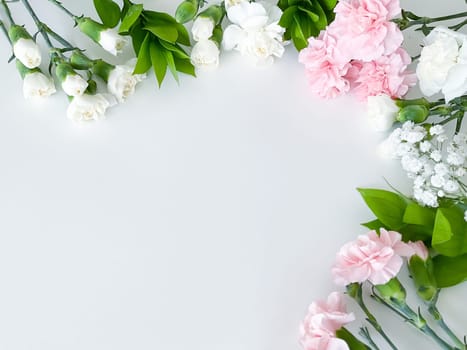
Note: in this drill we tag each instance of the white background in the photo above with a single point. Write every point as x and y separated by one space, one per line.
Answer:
200 216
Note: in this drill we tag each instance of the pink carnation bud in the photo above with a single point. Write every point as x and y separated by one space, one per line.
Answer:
419 248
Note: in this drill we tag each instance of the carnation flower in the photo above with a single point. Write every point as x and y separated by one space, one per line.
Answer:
255 32
419 248
89 107
372 257
205 55
324 318
382 112
37 84
325 66
107 38
122 82
202 28
28 52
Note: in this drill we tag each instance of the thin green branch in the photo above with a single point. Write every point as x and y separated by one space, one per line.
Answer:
8 12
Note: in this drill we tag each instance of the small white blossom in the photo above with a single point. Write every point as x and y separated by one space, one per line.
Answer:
122 82
28 52
202 28
74 85
436 155
37 84
112 42
205 55
425 146
437 130
89 107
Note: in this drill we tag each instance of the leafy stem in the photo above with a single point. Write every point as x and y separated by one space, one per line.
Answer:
8 12
357 295
409 19
366 334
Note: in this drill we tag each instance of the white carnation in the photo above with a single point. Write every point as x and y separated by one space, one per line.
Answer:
202 28
122 82
205 55
74 85
89 107
27 51
37 84
112 42
382 112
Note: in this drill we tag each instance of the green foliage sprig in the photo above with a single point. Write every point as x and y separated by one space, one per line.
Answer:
303 19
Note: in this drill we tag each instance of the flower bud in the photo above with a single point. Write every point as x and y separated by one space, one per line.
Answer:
107 38
203 28
24 47
186 11
214 12
72 83
80 61
415 113
35 83
393 291
423 277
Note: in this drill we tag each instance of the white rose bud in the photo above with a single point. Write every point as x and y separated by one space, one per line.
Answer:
89 107
382 112
37 84
202 28
112 42
205 55
27 51
122 82
74 85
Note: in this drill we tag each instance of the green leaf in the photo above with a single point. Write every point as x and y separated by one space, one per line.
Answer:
450 232
287 17
314 17
298 36
159 18
450 271
373 225
176 49
144 59
350 339
184 66
159 62
322 21
183 36
328 4
171 64
132 15
416 233
137 36
388 207
417 215
164 32
108 11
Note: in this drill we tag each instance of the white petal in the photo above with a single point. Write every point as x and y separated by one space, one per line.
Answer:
233 35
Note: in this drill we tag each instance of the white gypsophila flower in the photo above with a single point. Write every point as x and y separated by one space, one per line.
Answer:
230 3
37 84
74 85
205 55
255 32
443 64
28 52
89 107
122 82
112 42
437 130
203 28
437 169
382 112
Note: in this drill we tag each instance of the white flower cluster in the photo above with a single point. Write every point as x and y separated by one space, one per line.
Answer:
436 168
205 53
254 31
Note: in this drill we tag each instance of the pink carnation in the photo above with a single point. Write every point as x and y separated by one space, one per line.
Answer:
375 258
325 66
364 28
385 75
419 248
324 318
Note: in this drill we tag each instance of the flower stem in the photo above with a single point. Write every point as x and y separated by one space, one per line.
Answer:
40 26
459 25
58 37
434 312
409 19
416 320
5 31
64 9
366 334
8 12
358 297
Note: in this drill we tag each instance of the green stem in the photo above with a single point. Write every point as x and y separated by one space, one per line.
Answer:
459 123
58 37
434 312
416 320
459 25
8 12
64 9
5 31
40 26
358 297
366 334
427 20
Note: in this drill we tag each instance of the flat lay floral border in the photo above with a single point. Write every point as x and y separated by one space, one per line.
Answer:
346 47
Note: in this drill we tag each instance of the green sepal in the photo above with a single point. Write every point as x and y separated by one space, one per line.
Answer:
214 12
23 70
415 113
217 35
17 32
423 277
187 10
91 28
392 291
102 69
92 87
63 69
80 61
